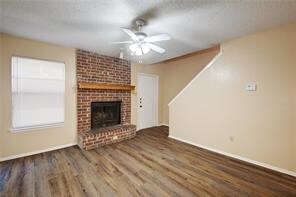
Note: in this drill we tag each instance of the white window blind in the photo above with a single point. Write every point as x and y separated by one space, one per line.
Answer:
38 91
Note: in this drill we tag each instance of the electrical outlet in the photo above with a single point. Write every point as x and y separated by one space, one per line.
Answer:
115 137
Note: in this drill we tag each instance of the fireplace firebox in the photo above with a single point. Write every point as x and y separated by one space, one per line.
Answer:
104 114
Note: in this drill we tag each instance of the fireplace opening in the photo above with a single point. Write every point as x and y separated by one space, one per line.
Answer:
104 114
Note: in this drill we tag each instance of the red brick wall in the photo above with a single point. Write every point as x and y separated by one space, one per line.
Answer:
95 68
92 67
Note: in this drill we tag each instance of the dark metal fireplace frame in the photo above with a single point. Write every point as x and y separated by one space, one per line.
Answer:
104 105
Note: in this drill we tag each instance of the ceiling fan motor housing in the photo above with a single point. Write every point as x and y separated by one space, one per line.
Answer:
141 35
140 23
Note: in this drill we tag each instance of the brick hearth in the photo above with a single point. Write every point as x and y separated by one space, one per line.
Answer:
95 68
104 136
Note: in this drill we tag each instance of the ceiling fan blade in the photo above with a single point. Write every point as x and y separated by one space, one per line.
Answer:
130 33
123 42
157 38
155 48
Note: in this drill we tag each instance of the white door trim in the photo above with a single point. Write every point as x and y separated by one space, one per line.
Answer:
156 95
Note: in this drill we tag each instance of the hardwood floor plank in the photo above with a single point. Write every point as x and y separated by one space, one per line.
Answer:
151 164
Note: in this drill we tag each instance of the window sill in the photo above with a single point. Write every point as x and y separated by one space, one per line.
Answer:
34 128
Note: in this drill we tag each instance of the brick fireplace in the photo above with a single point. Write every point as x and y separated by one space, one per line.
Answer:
97 73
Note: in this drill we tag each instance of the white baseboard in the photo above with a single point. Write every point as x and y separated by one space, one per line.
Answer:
160 124
284 171
36 152
163 124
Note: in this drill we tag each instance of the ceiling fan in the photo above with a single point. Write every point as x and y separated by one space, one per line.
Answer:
141 43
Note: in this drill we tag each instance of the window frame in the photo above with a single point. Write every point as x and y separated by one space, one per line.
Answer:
40 126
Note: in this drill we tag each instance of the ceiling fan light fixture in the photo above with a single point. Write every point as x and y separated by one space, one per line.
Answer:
139 52
145 48
139 49
134 47
141 43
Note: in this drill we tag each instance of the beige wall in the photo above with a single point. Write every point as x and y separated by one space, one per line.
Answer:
155 69
35 140
216 111
1 98
294 108
173 77
178 73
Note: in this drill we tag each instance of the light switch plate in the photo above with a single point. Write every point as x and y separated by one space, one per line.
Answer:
251 87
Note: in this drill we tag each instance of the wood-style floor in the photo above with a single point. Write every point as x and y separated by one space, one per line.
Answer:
151 164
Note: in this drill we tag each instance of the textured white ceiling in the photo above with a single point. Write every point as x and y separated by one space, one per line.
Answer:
94 24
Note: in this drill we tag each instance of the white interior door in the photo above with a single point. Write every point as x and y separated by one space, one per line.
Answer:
147 101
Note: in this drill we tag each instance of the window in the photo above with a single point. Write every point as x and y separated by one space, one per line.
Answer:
38 91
